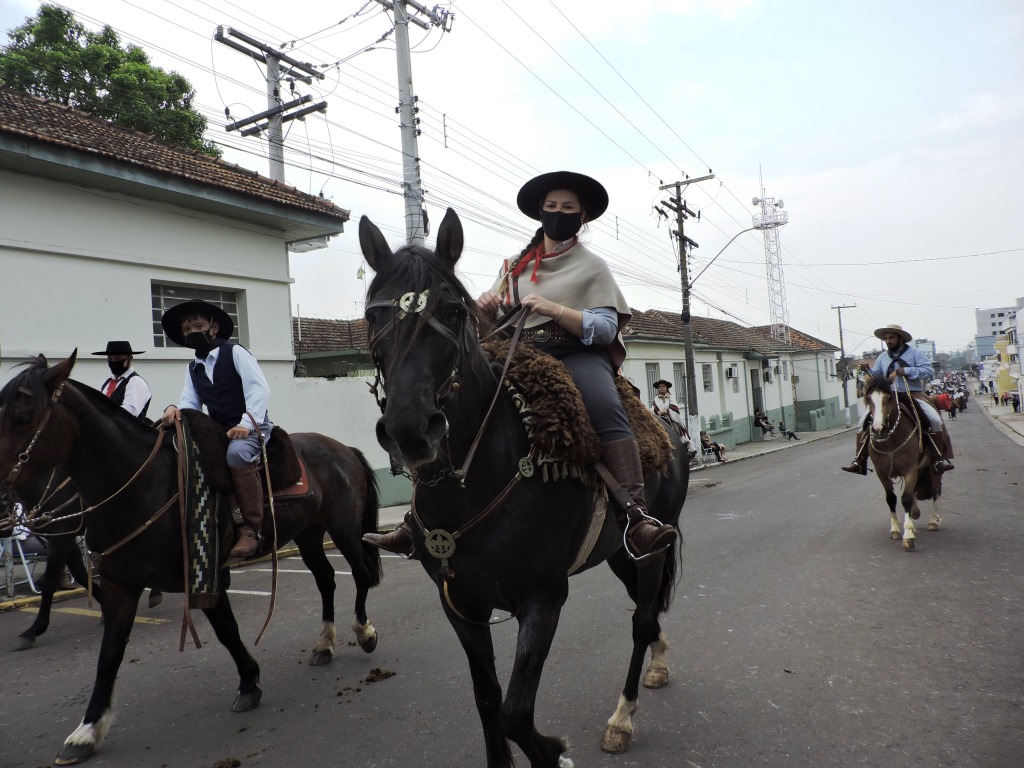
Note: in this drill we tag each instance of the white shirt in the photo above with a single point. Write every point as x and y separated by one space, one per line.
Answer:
136 392
254 384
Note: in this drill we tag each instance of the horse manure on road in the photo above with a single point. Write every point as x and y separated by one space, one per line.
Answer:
377 674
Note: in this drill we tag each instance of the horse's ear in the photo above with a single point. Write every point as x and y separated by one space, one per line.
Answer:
375 248
59 373
450 238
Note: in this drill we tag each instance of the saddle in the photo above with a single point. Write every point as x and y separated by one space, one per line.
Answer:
557 421
288 475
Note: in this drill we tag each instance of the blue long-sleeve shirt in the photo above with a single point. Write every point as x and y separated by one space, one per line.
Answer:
918 369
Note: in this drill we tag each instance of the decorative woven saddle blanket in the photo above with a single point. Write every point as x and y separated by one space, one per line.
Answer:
556 420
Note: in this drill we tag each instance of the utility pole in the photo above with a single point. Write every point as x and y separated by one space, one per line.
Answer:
678 205
412 185
842 351
275 114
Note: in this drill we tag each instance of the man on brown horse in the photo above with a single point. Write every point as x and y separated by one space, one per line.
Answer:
907 369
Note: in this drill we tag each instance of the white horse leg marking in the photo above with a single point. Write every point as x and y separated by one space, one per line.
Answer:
894 527
657 670
619 732
909 537
936 521
365 633
92 734
328 638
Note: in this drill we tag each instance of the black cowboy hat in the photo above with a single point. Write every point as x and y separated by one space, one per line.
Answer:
593 196
171 321
120 348
659 382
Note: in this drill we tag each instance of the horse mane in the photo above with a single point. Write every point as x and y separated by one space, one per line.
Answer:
106 405
878 385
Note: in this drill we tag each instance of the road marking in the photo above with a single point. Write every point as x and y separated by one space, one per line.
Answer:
248 592
95 614
288 570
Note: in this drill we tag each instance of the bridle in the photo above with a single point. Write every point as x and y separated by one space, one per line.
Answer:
878 442
439 542
8 482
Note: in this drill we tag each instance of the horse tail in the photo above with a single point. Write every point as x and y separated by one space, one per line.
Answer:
670 567
371 507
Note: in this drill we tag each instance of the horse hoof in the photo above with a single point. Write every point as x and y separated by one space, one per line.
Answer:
565 762
616 740
23 643
895 536
319 658
247 701
909 544
656 678
74 753
933 526
370 644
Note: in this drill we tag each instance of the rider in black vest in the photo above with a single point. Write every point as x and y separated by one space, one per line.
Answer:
125 387
226 379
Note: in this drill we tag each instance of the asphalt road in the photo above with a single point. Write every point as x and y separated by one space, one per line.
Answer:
801 636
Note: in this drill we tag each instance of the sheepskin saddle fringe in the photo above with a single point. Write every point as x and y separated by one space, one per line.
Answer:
212 442
557 422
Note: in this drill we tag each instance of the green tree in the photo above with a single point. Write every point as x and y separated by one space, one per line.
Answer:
54 56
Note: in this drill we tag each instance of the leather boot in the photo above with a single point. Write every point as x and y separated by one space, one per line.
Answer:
943 450
249 495
859 465
644 535
398 541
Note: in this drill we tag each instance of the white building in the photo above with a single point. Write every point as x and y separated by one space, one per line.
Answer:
991 323
927 347
104 227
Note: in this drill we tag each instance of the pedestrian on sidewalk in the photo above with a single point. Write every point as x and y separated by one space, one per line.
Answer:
787 433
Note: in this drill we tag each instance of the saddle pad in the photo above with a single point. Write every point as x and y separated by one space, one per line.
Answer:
559 424
212 442
298 490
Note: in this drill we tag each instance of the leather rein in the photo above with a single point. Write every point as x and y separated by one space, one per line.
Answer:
877 442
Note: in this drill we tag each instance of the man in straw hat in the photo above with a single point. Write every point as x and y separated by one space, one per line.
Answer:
907 369
226 378
125 387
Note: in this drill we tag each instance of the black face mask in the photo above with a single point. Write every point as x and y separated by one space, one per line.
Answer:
560 226
117 367
202 342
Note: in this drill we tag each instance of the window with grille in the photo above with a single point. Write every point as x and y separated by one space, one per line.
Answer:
785 370
166 296
653 371
709 382
679 382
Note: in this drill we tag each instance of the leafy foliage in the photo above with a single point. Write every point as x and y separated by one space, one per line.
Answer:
54 56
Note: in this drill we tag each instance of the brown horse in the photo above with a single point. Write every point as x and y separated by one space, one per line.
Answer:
48 420
897 449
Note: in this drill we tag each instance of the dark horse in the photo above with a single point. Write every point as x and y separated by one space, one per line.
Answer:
897 449
53 493
49 420
505 548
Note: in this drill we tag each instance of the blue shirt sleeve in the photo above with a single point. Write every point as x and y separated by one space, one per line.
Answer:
600 325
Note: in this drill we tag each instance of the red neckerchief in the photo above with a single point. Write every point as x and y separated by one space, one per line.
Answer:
536 256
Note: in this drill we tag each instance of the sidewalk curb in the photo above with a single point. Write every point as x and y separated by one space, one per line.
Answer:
813 437
1014 435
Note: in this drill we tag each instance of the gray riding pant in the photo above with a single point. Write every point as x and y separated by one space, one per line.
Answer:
594 376
246 451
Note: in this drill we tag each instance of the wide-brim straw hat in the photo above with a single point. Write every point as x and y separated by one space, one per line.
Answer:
897 329
120 348
171 320
593 196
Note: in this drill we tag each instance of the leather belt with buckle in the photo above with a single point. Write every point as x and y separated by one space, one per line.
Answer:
546 332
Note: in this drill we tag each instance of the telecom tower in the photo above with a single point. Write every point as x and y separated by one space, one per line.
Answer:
768 221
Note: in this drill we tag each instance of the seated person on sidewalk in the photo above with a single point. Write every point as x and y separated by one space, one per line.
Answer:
787 433
906 368
762 421
226 378
710 445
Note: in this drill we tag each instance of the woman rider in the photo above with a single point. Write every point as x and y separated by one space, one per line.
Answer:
577 312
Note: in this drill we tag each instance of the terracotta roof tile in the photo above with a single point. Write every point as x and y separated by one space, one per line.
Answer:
321 335
706 331
25 115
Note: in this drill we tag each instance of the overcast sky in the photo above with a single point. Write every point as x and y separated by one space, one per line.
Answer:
892 131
